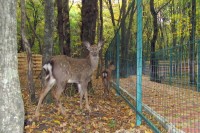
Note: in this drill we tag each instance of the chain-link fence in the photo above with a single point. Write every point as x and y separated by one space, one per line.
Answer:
157 67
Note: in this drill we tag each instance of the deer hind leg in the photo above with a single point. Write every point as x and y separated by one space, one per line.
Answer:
80 89
58 93
108 88
105 82
47 88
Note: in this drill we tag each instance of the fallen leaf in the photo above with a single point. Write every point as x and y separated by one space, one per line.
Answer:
57 121
132 124
105 118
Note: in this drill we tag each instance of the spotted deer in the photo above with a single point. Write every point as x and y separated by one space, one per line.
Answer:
62 69
106 77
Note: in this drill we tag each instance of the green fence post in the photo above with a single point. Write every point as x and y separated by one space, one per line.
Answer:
117 62
139 63
198 78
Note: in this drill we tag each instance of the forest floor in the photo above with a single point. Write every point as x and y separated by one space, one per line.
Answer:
109 115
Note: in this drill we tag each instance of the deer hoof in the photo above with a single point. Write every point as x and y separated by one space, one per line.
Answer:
88 108
63 112
81 107
37 114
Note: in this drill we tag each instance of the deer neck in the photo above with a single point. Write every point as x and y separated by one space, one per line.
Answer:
93 62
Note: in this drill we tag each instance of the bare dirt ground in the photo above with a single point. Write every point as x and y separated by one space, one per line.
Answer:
179 105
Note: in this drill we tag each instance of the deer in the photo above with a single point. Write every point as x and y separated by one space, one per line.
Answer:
106 77
61 69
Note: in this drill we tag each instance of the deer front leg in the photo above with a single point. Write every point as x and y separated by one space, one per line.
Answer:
84 85
42 95
86 99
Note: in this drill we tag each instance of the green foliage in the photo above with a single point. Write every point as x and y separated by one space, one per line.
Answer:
112 123
175 13
180 17
34 21
75 29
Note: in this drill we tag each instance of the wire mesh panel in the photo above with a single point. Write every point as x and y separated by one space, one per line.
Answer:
123 52
173 94
170 80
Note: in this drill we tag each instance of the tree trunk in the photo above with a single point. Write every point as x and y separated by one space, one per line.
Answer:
128 34
67 42
89 13
153 61
123 41
34 32
100 27
174 36
11 103
28 52
48 37
173 26
60 25
192 42
111 13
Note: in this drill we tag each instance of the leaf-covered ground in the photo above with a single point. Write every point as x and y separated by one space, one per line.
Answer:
108 115
179 105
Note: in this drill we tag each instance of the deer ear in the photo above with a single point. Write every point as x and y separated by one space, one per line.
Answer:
87 44
100 44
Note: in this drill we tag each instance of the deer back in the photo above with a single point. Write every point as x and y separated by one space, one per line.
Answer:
67 69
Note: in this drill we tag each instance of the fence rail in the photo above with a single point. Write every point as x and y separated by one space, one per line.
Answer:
23 65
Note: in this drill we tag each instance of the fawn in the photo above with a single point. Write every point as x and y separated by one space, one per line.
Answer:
106 77
62 69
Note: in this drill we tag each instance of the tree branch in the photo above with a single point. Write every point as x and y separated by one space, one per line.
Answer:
34 33
71 5
163 6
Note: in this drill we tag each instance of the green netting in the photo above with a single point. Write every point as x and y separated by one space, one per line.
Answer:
170 80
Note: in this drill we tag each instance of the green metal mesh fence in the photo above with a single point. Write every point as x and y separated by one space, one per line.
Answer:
170 80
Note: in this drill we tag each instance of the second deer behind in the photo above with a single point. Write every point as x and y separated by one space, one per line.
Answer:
107 77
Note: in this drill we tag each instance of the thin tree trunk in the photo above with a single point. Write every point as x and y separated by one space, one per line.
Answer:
67 42
60 25
48 37
28 52
11 103
100 27
174 35
153 61
128 34
34 31
192 42
35 22
111 13
153 42
123 40
173 26
128 39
